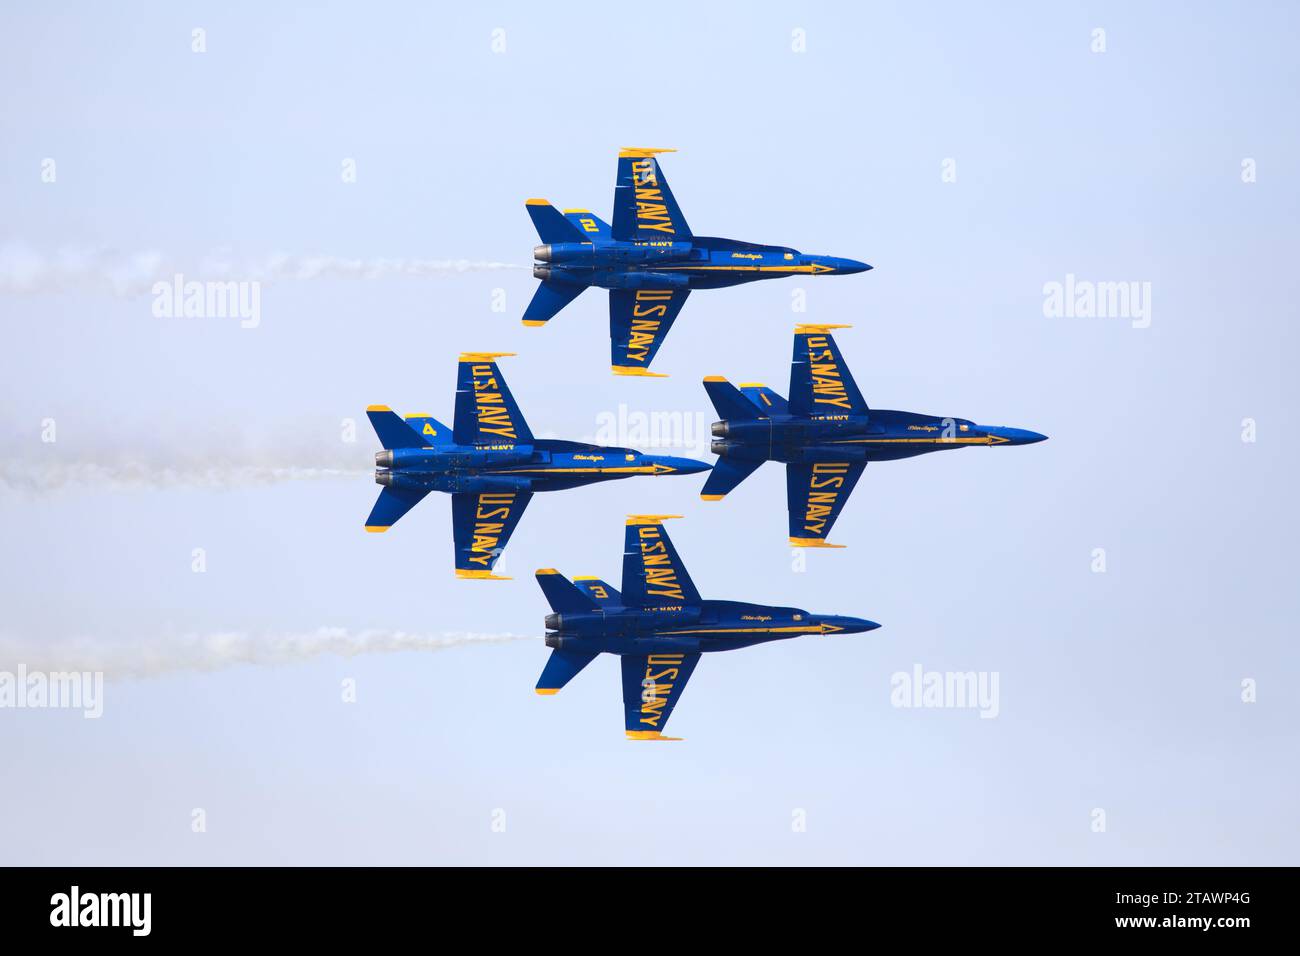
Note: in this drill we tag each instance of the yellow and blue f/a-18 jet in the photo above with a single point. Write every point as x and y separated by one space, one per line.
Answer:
659 626
489 462
825 433
649 260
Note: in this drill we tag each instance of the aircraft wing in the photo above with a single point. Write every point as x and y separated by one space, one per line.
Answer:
481 525
639 321
652 685
653 574
644 207
815 494
820 382
486 412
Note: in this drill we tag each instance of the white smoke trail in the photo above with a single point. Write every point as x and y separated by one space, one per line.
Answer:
24 270
159 656
171 458
36 478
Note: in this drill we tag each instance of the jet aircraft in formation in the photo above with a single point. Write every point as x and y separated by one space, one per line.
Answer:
658 626
490 464
649 260
825 434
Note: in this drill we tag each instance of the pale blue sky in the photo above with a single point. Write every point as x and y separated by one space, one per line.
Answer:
1118 690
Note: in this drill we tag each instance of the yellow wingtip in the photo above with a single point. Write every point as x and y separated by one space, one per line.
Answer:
483 356
816 329
648 519
376 528
378 408
547 691
715 378
712 497
585 577
813 543
752 385
567 211
636 371
534 323
418 415
536 202
473 574
647 735
546 571
641 152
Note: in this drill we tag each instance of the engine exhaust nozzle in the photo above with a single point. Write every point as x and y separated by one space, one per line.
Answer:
384 459
718 429
542 253
384 478
541 272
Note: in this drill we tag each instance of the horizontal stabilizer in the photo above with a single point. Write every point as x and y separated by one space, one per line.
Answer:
549 299
392 431
603 594
562 593
562 667
731 405
767 400
431 431
551 224
592 226
391 505
726 474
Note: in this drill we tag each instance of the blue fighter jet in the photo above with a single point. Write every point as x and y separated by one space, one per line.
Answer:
659 626
490 463
825 434
649 260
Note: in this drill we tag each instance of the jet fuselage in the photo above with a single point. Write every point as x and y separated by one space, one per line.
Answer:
884 435
702 262
648 259
543 465
707 627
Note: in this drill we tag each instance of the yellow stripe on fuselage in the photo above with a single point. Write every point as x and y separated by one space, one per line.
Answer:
813 269
982 440
622 470
797 629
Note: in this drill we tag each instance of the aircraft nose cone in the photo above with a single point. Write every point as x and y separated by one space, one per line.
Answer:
1016 436
679 466
847 267
835 624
